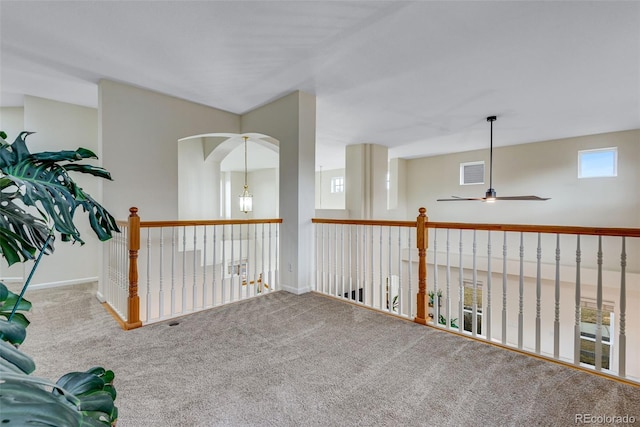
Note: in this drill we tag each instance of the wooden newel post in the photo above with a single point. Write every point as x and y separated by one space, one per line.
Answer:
422 243
133 302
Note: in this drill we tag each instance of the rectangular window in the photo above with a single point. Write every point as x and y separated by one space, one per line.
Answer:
588 325
472 173
337 184
601 162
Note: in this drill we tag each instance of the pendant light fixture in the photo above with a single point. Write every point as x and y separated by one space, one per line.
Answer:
246 198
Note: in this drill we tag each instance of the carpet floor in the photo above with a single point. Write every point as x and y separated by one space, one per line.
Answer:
309 360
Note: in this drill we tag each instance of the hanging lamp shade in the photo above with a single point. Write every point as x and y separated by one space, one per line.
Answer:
246 198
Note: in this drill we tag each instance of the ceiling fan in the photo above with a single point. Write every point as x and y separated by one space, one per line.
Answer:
490 195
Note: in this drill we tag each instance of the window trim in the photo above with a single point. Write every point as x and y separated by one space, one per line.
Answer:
613 150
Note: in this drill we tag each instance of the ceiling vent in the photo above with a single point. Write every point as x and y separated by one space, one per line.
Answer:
472 173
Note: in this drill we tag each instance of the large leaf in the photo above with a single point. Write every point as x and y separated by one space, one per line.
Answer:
12 332
64 155
46 186
10 154
21 234
44 182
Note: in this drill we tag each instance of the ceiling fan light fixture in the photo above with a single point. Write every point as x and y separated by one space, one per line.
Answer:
490 195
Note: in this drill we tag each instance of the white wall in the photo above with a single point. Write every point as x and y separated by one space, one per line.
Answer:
139 131
12 122
546 169
62 126
397 194
291 120
264 186
325 199
198 182
365 181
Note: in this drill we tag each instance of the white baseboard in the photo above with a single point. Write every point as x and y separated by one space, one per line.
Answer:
63 283
296 291
11 279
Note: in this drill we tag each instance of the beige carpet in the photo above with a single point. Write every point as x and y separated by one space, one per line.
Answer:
286 360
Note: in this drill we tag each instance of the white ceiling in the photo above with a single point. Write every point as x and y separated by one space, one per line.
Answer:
419 77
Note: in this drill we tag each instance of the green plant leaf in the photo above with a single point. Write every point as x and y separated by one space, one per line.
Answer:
16 357
64 155
12 332
22 233
7 302
79 383
89 169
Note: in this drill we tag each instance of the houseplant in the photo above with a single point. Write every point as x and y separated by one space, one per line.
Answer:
39 199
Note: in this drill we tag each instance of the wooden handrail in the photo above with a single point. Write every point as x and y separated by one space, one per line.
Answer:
388 223
526 228
552 229
133 301
197 222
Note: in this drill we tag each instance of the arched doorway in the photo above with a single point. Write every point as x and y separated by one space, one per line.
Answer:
211 175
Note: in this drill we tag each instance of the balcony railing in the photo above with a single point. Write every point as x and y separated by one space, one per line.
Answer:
557 292
159 270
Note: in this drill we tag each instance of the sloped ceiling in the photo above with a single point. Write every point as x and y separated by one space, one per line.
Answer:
419 77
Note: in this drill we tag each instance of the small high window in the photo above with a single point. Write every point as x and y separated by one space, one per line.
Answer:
472 173
601 162
337 184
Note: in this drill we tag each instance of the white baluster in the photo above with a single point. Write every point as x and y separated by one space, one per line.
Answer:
194 282
204 268
521 294
256 279
223 266
400 271
184 269
474 304
448 297
436 301
410 232
148 257
233 269
357 259
381 275
486 317
622 338
504 289
389 277
576 331
161 299
599 308
556 322
538 291
335 265
277 279
350 260
173 270
372 264
214 263
241 279
461 288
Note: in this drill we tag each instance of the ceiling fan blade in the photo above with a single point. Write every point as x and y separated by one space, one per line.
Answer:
458 199
484 199
522 198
